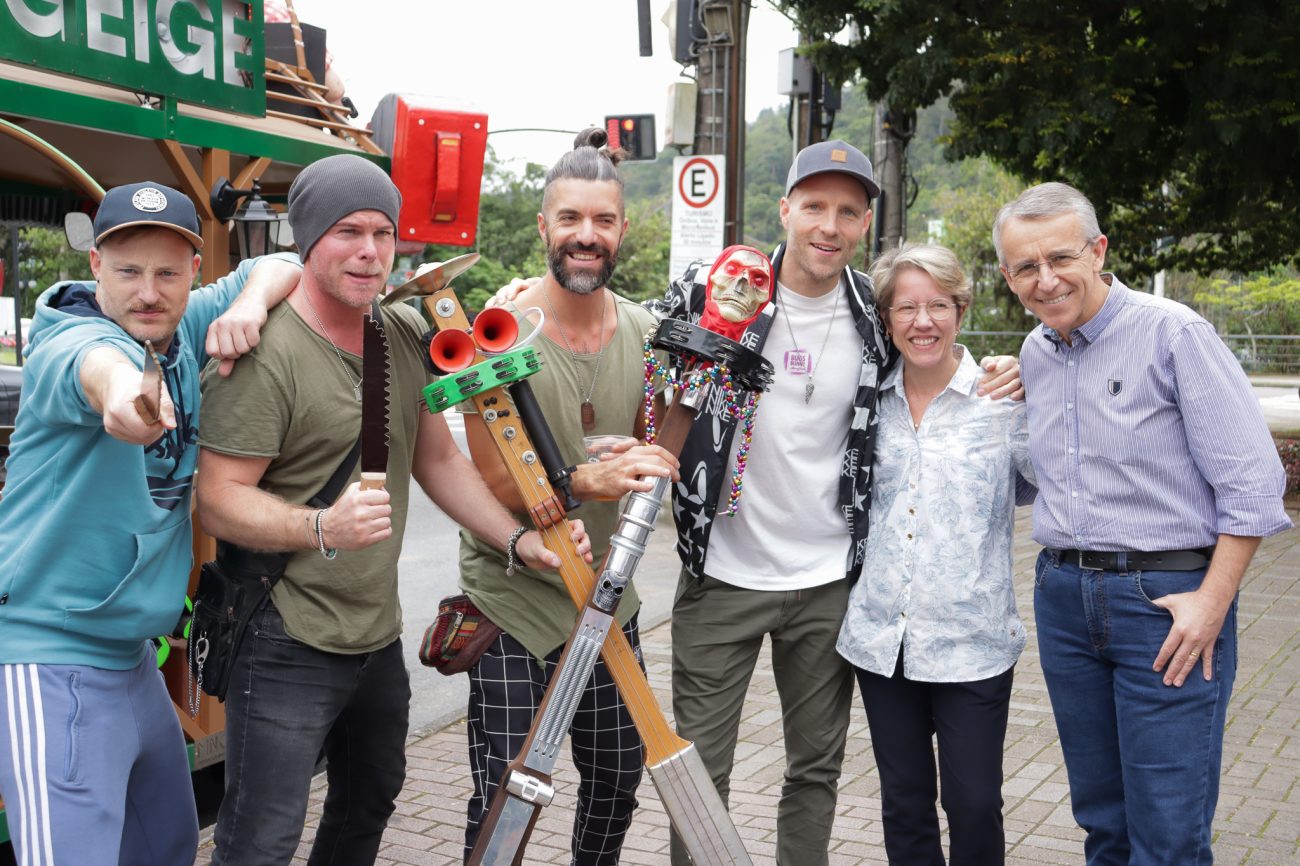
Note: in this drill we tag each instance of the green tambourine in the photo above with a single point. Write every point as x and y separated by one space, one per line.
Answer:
498 370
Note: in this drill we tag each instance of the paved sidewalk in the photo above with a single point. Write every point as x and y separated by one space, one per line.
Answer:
1258 819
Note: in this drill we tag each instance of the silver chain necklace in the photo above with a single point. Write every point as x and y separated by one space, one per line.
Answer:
347 371
811 365
588 410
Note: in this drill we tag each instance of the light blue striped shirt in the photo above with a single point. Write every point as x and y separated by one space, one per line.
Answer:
1145 434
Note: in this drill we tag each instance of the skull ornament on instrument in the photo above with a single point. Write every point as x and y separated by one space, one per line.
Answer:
740 283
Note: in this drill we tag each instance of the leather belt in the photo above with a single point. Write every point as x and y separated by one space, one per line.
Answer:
1137 560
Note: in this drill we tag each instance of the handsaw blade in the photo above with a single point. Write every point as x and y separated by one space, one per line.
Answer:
374 404
432 280
149 403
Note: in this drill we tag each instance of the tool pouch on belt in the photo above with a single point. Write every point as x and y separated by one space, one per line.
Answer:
458 636
231 590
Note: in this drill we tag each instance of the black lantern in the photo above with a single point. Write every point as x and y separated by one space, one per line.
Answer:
257 224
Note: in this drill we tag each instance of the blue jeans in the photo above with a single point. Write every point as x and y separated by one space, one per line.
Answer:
287 704
1143 758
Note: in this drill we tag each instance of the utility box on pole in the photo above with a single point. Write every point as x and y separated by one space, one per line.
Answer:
679 131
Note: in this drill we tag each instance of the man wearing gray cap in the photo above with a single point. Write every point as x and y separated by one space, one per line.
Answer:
321 667
95 535
782 566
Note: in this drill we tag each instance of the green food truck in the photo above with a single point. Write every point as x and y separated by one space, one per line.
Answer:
208 97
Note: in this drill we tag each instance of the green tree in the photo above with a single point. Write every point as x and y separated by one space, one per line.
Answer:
46 259
1263 303
768 153
967 218
1180 119
642 271
510 245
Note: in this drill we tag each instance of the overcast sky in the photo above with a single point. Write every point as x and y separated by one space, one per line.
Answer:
528 63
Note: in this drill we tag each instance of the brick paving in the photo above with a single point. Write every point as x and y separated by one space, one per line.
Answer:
1258 819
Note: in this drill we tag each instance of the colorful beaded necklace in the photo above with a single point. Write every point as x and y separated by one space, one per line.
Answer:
741 408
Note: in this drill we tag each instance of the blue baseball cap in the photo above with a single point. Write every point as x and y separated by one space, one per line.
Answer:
147 204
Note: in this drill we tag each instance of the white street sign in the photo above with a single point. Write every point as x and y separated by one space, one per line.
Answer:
699 210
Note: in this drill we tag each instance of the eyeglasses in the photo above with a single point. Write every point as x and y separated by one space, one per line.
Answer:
1026 273
939 310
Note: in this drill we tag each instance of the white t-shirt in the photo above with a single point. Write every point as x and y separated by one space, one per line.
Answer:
789 532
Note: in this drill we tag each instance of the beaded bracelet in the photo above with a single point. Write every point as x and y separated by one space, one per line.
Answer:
327 552
512 555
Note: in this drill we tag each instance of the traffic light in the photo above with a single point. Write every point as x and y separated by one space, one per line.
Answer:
635 133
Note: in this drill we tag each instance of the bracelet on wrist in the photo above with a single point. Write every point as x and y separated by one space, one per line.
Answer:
512 554
327 552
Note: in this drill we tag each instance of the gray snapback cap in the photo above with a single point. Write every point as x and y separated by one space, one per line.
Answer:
832 156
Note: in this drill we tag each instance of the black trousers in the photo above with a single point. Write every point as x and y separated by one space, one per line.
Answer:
505 689
287 702
970 721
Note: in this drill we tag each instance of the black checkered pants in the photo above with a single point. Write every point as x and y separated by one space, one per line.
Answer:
505 689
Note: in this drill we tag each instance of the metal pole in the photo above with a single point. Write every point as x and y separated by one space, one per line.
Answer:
891 151
720 113
736 131
643 27
18 294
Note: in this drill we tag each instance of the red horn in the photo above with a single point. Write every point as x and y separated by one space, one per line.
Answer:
452 350
495 330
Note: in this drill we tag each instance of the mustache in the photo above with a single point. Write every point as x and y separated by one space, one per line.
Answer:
576 247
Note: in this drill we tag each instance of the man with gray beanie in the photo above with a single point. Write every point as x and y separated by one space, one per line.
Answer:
783 565
321 668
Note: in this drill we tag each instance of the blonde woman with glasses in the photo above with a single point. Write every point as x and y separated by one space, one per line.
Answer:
932 629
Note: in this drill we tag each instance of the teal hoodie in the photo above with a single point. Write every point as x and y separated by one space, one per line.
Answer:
95 544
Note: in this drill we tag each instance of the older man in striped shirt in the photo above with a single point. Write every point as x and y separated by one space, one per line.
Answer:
1157 478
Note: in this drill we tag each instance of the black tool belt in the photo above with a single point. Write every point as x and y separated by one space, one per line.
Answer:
241 563
1137 560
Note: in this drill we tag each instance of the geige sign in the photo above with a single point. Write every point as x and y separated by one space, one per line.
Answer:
203 51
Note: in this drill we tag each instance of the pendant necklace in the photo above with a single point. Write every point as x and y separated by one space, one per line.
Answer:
356 386
797 360
588 410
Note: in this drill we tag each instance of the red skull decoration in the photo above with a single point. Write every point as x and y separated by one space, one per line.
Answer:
740 283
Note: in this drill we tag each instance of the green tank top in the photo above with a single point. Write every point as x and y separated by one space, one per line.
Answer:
288 400
534 607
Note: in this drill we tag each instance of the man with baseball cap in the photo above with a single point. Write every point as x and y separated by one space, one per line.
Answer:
321 666
782 566
95 535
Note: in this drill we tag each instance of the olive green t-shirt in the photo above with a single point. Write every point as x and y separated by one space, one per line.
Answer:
533 606
289 400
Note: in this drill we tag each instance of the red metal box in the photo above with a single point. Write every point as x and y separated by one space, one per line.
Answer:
437 156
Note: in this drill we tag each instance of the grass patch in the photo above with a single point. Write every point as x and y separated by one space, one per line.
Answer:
8 355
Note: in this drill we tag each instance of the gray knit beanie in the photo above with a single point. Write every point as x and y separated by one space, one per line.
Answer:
331 188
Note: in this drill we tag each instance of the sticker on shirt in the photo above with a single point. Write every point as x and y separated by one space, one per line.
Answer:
1114 386
797 361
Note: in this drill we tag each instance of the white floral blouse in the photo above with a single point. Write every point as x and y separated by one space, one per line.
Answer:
937 576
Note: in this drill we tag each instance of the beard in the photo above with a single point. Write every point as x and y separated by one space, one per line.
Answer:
581 282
